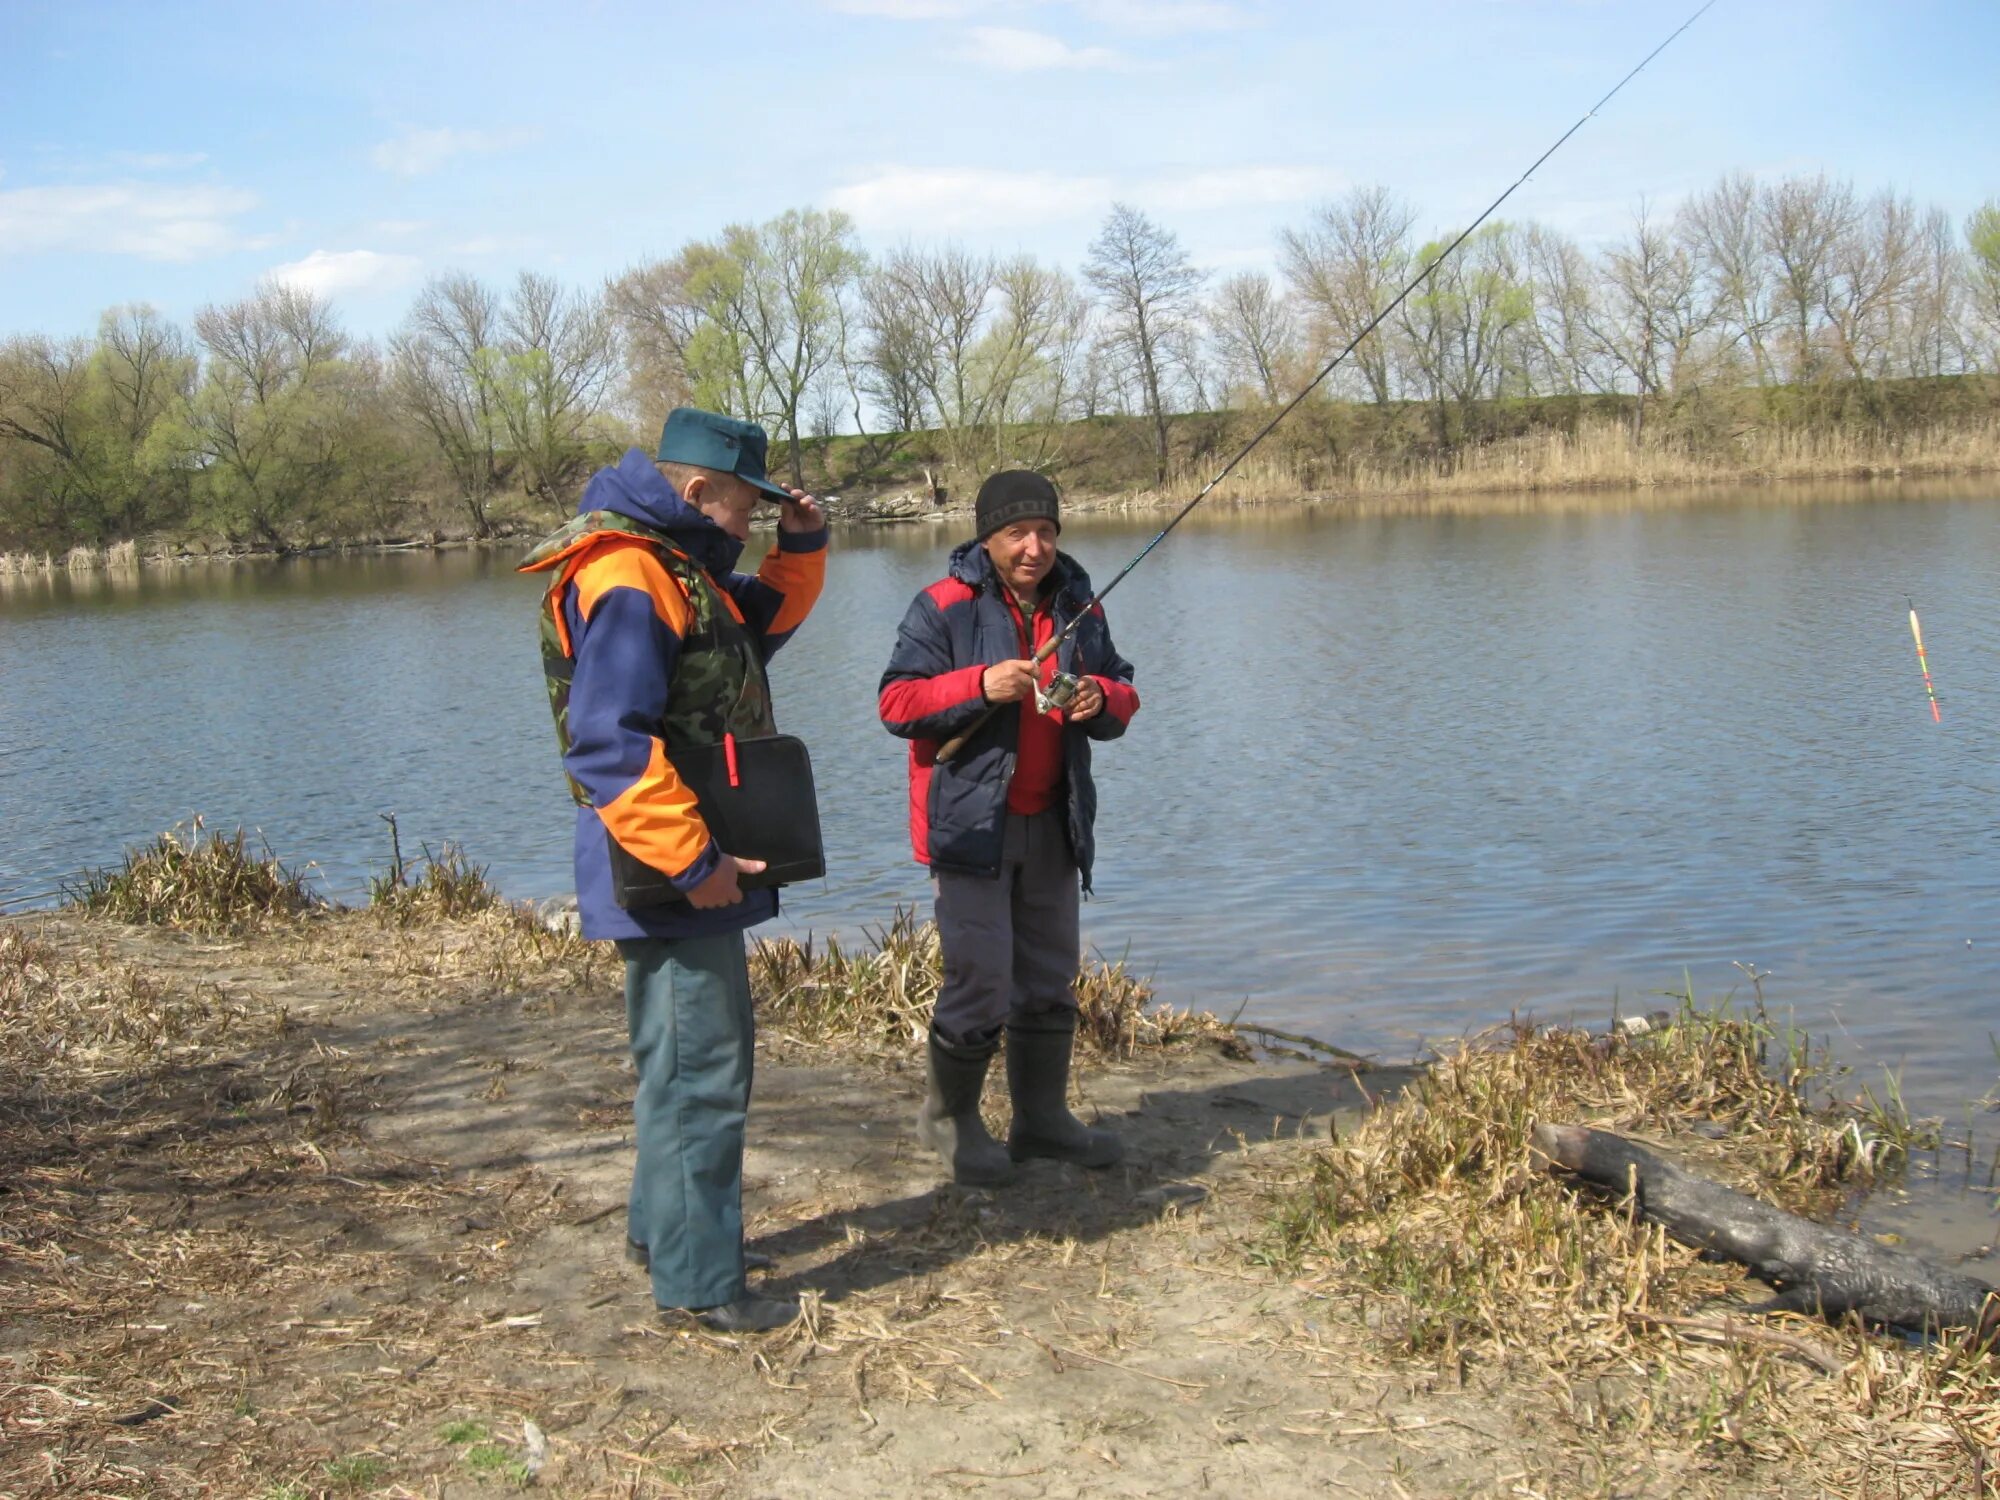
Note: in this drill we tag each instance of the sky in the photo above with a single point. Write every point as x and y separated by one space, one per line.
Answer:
177 153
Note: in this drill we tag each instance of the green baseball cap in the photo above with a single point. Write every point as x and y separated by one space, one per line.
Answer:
710 440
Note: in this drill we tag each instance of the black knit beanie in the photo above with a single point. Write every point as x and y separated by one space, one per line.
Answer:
1015 495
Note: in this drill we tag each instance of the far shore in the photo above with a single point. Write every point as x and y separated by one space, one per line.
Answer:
1470 492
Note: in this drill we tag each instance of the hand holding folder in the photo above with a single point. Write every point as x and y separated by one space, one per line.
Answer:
756 796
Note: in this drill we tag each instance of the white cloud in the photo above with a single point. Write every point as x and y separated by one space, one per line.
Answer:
907 10
326 272
158 161
1195 191
950 200
916 200
416 153
1162 17
153 221
1018 51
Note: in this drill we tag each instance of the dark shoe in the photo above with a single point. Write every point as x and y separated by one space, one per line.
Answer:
949 1121
637 1254
1038 1057
749 1315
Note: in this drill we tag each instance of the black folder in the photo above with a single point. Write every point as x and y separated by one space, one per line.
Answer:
756 796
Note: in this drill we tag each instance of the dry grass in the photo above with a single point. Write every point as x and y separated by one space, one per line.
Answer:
1603 455
880 998
447 887
1471 1253
210 884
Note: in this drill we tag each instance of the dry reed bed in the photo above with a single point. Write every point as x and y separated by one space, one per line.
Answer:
1598 456
878 999
180 1160
1470 1253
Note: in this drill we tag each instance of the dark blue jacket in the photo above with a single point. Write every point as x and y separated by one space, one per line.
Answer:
951 633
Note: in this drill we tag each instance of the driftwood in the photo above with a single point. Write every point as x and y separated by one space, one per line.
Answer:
1813 1268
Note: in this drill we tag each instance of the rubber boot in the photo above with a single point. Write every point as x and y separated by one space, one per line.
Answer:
750 1314
949 1121
1038 1054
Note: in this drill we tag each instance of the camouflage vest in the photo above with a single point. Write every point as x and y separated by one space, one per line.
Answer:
718 687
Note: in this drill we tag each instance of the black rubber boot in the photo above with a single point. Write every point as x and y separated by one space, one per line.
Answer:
749 1315
1038 1054
949 1121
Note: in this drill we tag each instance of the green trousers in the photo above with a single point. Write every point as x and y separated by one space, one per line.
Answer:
687 1001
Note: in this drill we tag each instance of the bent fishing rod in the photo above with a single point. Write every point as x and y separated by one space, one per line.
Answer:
956 743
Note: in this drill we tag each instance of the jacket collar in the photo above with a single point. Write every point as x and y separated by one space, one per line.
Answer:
634 487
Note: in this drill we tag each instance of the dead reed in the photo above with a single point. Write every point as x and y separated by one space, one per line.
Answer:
880 998
204 884
1468 1251
447 886
1605 455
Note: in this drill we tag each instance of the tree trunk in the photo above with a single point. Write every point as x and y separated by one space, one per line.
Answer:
1812 1267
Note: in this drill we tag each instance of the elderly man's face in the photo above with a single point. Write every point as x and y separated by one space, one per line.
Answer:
1022 554
725 500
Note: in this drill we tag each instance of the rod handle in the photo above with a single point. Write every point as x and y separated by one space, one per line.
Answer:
956 743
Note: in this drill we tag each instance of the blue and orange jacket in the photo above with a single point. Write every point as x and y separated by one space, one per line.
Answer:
625 617
951 633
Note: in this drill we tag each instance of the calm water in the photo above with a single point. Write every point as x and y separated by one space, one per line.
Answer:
1394 779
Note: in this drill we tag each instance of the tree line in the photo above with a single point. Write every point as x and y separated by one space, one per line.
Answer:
266 423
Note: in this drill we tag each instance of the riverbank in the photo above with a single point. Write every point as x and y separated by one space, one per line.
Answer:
332 1204
1597 463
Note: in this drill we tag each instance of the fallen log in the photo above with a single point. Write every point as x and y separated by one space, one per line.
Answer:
1813 1268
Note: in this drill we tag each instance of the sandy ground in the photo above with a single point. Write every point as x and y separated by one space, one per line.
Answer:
380 1251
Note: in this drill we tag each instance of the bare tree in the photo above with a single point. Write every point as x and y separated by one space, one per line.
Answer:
1567 355
1722 229
1345 266
267 424
1935 340
560 356
1876 263
1254 333
449 371
1652 310
1150 291
771 295
1802 221
894 352
655 317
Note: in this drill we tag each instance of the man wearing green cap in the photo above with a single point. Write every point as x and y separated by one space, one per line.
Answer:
652 642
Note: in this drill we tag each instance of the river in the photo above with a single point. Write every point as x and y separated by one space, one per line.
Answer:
1396 776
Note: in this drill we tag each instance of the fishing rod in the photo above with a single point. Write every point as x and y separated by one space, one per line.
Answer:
956 743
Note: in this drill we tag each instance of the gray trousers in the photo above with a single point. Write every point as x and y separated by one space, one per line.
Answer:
1010 944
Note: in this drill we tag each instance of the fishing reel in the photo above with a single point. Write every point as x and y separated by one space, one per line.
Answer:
1059 692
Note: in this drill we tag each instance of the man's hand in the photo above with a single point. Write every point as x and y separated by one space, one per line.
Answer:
721 889
800 513
1008 681
1087 704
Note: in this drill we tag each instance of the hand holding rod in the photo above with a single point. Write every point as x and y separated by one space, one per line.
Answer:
956 743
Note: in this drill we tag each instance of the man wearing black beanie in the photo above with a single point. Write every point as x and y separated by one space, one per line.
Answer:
1007 825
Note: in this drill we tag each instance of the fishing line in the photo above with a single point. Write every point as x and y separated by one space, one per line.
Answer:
952 746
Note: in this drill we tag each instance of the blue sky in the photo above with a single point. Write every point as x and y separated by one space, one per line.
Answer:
176 153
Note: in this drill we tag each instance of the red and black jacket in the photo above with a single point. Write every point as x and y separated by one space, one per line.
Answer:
951 633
